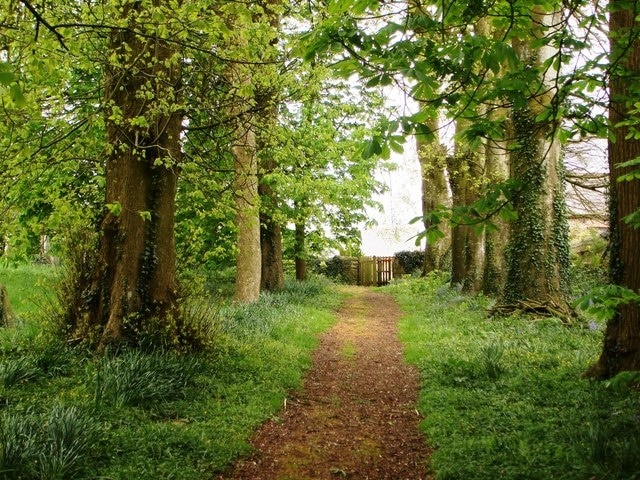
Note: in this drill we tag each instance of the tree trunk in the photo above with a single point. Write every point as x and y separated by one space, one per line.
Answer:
538 249
465 177
621 350
272 278
134 289
300 254
249 256
270 235
432 158
495 243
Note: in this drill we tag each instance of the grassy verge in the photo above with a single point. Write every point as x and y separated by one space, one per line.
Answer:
150 415
504 398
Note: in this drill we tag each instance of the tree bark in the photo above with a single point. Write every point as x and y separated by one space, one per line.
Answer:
621 350
249 256
272 272
134 288
495 243
538 249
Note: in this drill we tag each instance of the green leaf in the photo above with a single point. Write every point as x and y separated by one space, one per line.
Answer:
115 209
16 95
6 75
434 234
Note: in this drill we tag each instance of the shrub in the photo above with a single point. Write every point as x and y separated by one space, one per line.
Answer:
410 261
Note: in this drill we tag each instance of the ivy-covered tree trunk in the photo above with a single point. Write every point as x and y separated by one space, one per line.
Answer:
133 287
621 349
538 249
432 158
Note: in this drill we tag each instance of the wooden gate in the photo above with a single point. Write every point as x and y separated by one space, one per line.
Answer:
375 270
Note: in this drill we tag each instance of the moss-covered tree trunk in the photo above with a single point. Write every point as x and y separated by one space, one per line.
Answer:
538 248
432 158
621 349
133 283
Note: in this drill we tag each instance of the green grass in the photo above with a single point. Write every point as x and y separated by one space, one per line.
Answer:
150 414
504 398
27 287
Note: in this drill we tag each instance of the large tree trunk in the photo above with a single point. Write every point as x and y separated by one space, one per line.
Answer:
621 349
133 286
538 250
432 158
537 253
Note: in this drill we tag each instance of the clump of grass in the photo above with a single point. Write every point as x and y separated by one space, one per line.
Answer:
68 439
17 371
18 446
491 359
136 378
52 446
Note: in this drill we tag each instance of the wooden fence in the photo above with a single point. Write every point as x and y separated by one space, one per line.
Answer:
375 270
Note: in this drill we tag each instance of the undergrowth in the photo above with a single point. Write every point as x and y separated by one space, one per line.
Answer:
148 413
504 397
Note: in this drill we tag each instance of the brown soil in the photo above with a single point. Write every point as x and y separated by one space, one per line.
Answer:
355 416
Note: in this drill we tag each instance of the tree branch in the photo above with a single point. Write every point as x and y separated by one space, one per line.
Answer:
40 19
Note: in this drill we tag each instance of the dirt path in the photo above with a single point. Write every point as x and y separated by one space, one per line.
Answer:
355 417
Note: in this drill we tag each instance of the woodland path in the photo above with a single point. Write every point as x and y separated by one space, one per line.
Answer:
355 416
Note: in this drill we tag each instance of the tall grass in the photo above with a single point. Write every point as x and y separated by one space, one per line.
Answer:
504 397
